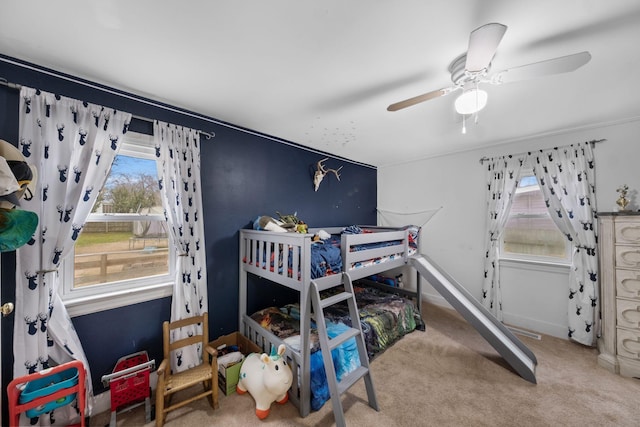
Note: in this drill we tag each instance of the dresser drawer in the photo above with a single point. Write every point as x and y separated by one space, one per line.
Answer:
628 313
628 283
627 232
628 344
628 256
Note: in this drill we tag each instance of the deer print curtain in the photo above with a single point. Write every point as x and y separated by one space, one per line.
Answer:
567 181
178 162
73 144
502 174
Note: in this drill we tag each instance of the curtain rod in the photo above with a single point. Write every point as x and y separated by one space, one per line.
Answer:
16 86
592 142
176 110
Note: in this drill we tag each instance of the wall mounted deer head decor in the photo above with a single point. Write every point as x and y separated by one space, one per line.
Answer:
321 171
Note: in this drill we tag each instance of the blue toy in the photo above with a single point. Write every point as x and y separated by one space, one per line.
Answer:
394 282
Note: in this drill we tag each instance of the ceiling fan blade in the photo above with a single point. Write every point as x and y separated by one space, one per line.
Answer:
420 98
563 64
483 43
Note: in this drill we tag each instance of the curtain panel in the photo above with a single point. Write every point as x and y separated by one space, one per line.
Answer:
567 180
73 144
178 162
502 180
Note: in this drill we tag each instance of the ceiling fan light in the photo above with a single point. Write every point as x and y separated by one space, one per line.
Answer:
471 101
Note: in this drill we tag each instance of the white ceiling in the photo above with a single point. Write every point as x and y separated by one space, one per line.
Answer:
322 73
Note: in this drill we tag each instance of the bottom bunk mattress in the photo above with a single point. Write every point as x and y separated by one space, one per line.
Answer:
384 317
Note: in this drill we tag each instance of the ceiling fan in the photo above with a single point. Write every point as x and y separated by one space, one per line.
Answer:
472 68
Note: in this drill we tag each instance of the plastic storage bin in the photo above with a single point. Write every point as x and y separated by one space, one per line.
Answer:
46 386
129 384
41 392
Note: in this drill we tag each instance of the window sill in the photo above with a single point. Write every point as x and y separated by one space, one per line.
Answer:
80 306
535 265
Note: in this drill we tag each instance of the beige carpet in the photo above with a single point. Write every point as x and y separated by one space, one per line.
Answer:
449 376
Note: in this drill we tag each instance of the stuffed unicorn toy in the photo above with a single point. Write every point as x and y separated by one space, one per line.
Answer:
267 378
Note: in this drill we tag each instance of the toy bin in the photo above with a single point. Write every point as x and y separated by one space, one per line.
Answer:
228 374
43 391
46 386
129 384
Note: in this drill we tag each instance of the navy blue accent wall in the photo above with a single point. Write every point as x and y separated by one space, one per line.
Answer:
247 176
108 335
244 174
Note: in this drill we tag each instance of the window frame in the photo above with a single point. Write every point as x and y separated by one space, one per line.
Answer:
99 297
539 260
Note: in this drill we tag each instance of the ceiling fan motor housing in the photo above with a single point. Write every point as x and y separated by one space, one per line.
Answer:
460 76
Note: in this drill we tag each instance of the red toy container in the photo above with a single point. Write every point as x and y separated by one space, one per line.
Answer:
132 388
129 382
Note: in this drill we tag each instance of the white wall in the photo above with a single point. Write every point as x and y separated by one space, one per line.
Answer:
454 238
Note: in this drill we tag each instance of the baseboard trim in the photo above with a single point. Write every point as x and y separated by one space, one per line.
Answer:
101 403
530 325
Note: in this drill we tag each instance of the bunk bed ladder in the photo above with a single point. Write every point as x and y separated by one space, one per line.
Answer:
337 388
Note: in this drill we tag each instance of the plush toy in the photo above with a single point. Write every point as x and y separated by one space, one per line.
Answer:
301 227
293 223
267 378
268 223
321 236
289 219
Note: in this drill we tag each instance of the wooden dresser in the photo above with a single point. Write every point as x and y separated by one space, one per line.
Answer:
619 244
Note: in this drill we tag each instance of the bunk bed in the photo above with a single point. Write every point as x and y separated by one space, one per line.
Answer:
295 260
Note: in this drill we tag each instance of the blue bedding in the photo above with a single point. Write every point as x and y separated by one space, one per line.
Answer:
345 359
384 318
285 323
326 256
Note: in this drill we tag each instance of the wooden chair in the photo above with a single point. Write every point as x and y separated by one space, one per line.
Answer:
205 373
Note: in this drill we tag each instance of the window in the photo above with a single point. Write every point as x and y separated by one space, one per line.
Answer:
124 254
530 233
